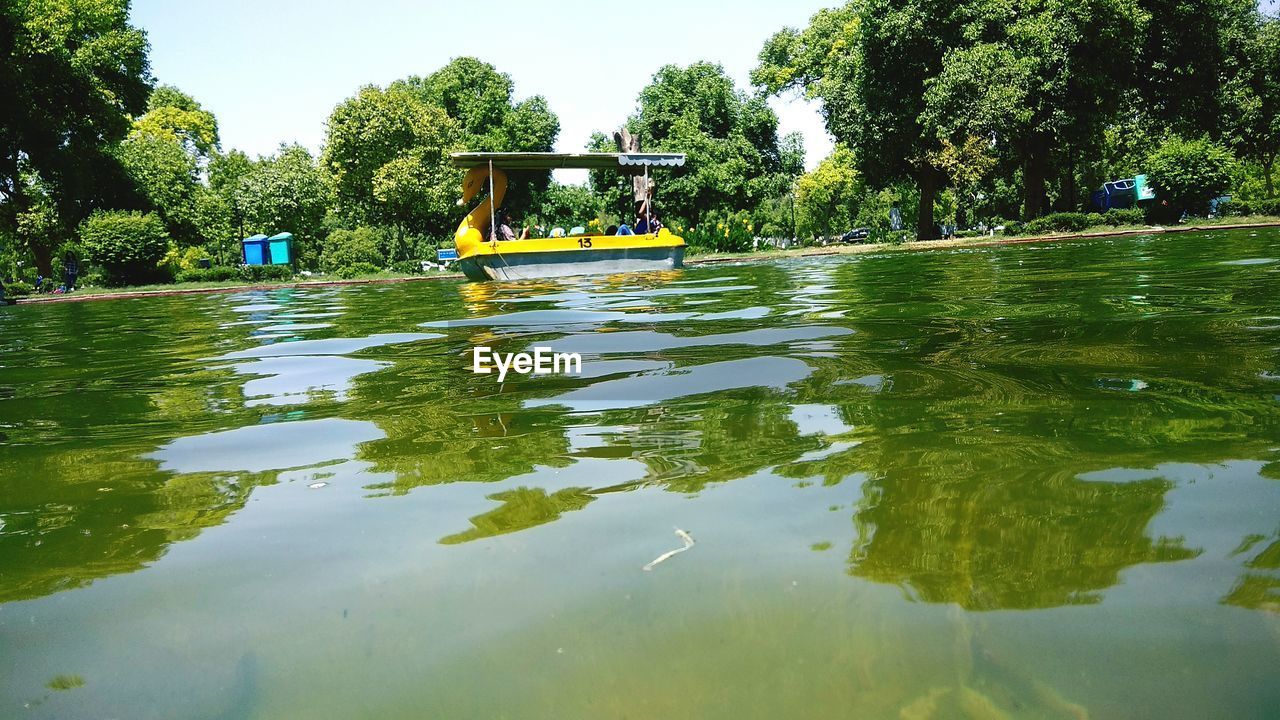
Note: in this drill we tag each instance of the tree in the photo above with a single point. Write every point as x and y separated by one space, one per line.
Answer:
285 192
482 102
168 177
730 138
1253 100
377 142
1190 51
172 114
73 73
567 205
869 63
1040 82
1190 173
827 199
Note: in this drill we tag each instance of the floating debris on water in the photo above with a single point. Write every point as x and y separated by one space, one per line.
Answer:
317 485
1125 384
66 682
688 543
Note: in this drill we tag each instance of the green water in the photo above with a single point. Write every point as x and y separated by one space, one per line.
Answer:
1038 481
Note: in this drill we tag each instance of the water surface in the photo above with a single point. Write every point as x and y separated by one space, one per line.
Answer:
1037 481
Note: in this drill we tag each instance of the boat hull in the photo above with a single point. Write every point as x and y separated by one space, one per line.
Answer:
514 264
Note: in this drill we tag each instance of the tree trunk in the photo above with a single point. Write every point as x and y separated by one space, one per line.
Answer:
1071 180
1033 186
925 227
44 258
1267 166
641 191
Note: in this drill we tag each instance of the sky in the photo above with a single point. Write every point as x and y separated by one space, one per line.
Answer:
272 70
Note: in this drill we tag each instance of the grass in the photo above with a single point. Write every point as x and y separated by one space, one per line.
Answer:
696 256
91 291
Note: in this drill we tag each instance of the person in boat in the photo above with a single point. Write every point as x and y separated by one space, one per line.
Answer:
647 224
504 231
625 229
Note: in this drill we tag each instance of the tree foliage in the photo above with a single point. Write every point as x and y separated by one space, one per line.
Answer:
735 160
74 71
827 199
285 192
1253 102
127 245
1190 173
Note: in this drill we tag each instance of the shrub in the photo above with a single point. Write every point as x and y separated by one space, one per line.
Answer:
345 248
356 269
17 289
129 246
213 274
408 267
1268 207
262 273
1057 222
1014 227
184 260
720 232
1187 174
1116 217
1234 208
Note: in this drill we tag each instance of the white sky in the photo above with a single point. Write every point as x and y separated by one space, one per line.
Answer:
272 70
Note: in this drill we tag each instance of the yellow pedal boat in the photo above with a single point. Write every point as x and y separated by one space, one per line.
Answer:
579 254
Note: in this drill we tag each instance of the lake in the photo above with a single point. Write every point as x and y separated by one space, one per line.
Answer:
1034 481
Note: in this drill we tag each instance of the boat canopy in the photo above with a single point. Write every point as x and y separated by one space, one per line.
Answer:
634 162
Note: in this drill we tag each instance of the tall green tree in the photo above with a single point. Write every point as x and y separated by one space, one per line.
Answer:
168 177
869 63
1253 102
1190 51
286 192
173 114
827 199
731 139
387 159
1040 79
481 100
73 73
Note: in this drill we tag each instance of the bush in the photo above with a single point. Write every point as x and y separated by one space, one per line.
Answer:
346 248
262 273
720 232
17 289
213 274
356 269
408 267
1187 174
184 260
1268 207
1234 208
129 246
1116 217
1057 222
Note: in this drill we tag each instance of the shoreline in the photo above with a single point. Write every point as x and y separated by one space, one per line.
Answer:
709 259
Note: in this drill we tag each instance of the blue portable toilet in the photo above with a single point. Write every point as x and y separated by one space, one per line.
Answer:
255 250
280 248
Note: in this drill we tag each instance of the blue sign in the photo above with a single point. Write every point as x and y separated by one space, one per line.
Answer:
446 254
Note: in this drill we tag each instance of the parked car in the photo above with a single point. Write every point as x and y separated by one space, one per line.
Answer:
856 234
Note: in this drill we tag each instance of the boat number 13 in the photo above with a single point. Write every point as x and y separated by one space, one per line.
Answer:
584 243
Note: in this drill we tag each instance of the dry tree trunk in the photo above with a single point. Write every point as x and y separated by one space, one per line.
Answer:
642 191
